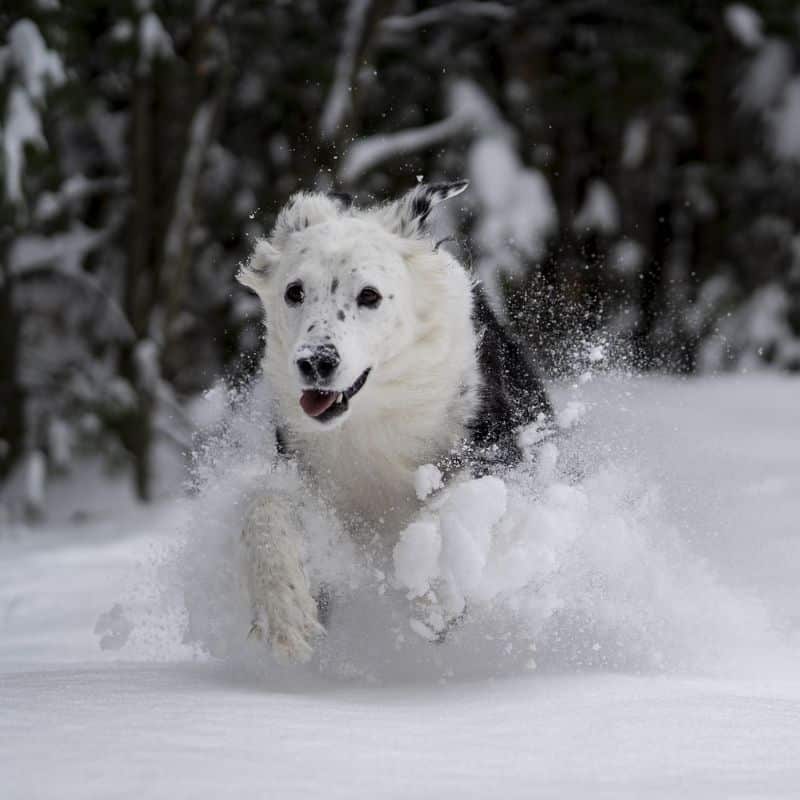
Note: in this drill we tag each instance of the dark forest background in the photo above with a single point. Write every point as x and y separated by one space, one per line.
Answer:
633 167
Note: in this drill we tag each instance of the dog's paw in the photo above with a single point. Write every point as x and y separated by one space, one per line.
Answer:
432 621
289 623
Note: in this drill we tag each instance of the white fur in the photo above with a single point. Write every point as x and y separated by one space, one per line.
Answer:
420 347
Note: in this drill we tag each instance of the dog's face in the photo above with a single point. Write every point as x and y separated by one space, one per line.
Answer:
342 308
339 298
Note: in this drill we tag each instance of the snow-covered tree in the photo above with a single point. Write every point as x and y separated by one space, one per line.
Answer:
634 169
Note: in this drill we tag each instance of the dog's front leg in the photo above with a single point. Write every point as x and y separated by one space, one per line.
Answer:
283 607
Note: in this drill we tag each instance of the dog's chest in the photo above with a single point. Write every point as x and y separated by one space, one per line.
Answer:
368 470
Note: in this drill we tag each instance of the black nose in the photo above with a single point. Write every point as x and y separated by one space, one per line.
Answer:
320 364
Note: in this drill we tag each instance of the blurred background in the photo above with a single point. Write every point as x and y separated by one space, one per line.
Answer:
633 167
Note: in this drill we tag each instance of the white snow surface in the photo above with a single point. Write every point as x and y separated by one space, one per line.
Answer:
631 626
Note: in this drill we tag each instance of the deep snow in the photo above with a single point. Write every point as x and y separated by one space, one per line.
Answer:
634 633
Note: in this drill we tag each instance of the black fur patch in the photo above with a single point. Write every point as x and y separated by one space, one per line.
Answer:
426 196
513 395
344 198
421 207
280 442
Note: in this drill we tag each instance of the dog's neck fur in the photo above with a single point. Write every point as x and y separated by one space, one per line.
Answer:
413 410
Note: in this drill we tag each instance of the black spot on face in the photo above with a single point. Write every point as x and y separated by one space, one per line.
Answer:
334 285
391 297
312 326
340 316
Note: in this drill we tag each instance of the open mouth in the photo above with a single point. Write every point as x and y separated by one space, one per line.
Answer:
325 405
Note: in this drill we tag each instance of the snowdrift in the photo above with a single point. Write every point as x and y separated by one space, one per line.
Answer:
576 559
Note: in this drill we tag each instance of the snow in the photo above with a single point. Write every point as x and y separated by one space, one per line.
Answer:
517 206
766 76
148 373
183 212
123 30
745 24
22 127
337 106
59 443
34 472
416 557
470 112
785 123
36 67
516 211
635 143
66 251
154 41
427 479
492 12
756 333
599 212
367 153
571 414
632 627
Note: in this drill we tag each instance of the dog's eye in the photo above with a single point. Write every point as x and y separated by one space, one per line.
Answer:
369 297
294 294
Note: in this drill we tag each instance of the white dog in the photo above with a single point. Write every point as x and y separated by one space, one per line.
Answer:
381 356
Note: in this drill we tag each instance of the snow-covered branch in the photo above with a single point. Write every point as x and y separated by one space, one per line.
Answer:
178 231
154 42
73 191
470 112
339 101
368 153
121 328
34 69
66 250
447 13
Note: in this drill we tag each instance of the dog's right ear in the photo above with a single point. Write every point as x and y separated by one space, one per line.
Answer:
257 267
408 216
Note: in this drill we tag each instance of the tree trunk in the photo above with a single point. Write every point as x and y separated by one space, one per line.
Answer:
12 395
136 428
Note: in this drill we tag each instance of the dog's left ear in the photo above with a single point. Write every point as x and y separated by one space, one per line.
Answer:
408 215
257 267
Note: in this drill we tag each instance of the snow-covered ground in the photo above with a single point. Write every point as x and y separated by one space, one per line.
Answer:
636 634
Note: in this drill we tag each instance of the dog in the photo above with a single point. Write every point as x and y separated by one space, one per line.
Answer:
382 355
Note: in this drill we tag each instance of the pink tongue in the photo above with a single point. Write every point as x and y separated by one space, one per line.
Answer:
315 403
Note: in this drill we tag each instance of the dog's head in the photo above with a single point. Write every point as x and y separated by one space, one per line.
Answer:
339 296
